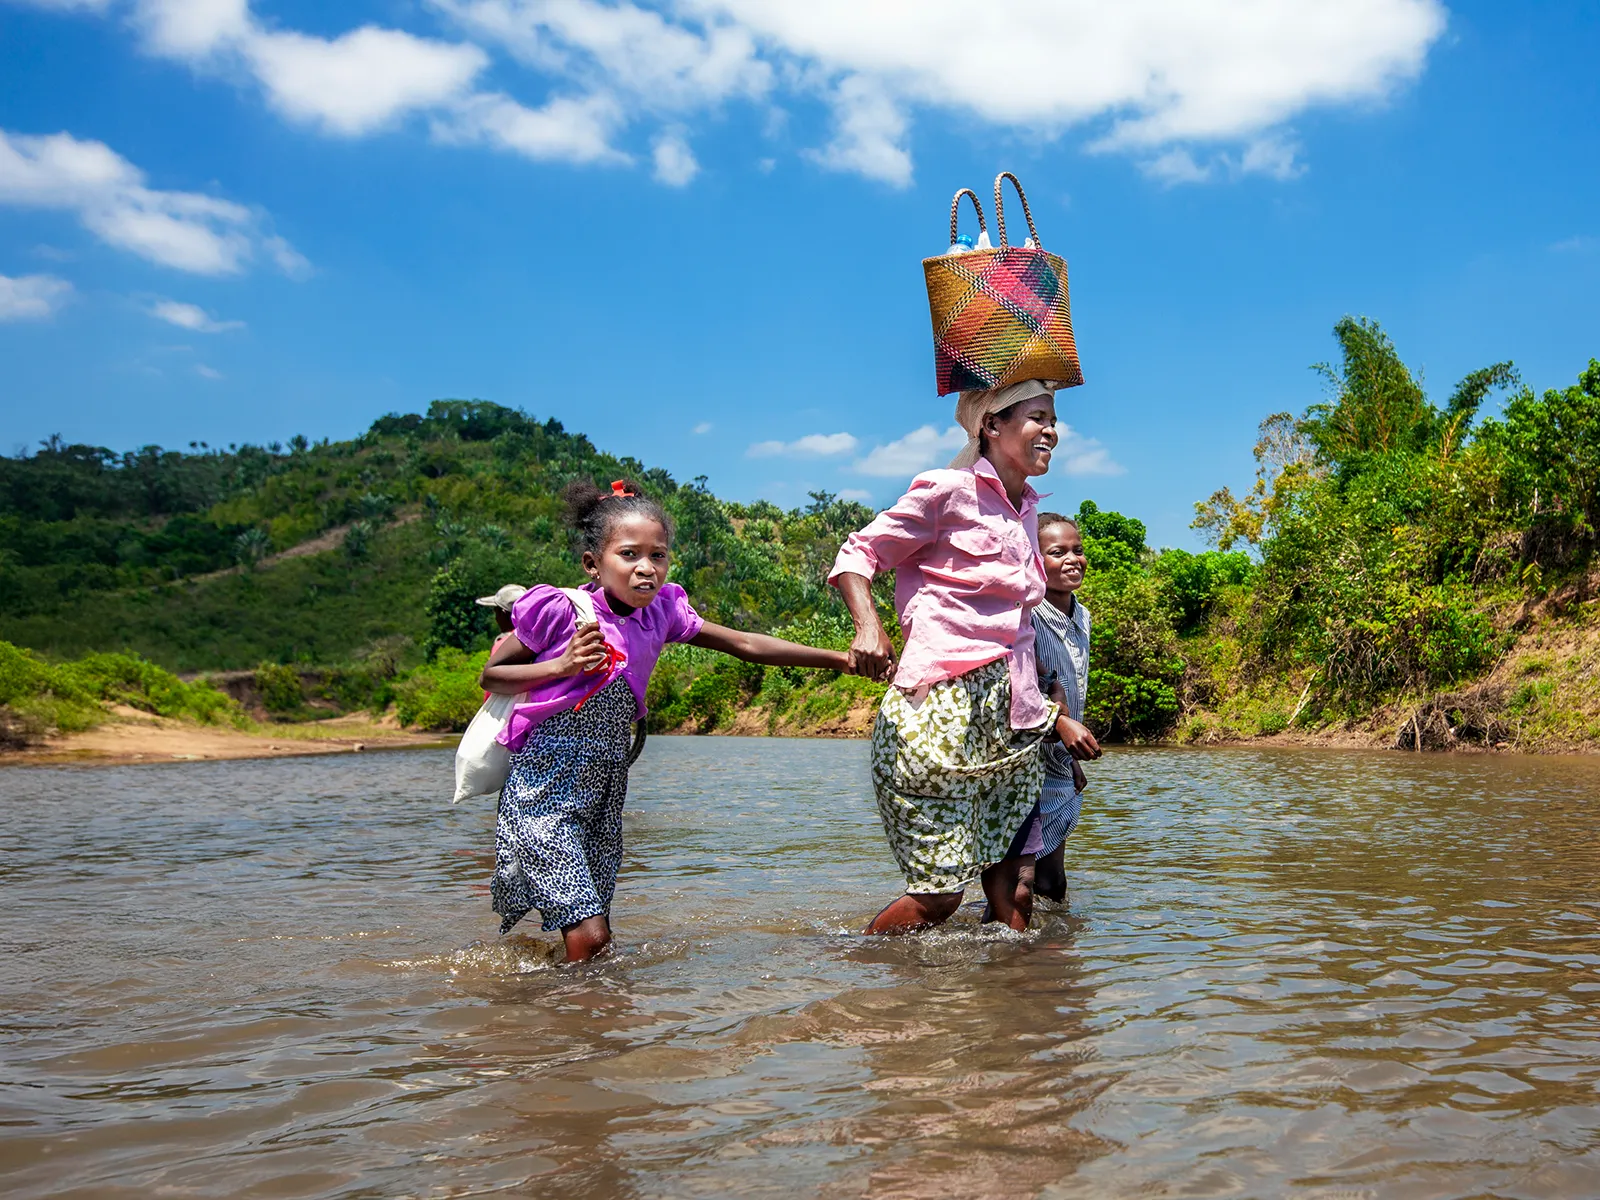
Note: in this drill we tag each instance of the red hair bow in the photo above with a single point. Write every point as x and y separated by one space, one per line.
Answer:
619 488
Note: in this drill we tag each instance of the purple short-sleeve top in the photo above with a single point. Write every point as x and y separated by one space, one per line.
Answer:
545 621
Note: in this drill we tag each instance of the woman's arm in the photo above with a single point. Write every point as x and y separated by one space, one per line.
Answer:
773 652
511 668
893 536
870 652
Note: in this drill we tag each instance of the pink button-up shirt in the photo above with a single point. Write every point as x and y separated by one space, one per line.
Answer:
545 621
967 576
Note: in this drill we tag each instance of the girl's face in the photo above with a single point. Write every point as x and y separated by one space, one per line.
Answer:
1061 545
633 565
1024 437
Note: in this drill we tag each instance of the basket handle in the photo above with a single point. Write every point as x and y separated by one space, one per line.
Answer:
955 208
1000 209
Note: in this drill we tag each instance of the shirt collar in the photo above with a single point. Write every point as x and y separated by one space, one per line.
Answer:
1074 618
984 469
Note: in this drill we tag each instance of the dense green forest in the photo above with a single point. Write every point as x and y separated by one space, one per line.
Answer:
1390 557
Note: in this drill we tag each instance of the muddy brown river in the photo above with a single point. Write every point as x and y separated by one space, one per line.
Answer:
1309 974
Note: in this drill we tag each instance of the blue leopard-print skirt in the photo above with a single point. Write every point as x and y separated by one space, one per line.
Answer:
558 840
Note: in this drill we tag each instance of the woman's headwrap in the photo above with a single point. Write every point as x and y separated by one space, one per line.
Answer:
973 407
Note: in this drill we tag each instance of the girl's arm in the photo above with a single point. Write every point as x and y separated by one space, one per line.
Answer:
511 668
771 651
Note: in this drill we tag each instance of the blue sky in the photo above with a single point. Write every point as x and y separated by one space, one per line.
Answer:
693 229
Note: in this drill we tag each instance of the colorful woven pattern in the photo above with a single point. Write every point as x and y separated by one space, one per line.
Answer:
999 317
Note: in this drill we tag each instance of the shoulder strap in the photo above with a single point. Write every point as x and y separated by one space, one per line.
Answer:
583 603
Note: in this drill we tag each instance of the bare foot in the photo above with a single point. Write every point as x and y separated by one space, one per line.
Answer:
586 939
914 911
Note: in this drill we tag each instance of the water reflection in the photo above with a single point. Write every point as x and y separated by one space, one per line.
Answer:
1315 974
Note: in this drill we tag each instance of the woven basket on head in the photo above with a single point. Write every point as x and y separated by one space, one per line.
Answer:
1000 315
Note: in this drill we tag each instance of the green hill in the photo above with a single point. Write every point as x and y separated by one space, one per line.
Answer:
1400 571
331 552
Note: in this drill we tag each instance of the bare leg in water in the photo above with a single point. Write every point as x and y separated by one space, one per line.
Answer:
1010 901
1008 885
1050 874
587 938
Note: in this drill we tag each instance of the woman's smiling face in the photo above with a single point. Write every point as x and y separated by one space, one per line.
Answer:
1023 436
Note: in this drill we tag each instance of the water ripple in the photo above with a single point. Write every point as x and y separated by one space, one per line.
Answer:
1279 973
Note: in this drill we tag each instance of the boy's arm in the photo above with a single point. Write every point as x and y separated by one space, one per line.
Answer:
770 651
1074 735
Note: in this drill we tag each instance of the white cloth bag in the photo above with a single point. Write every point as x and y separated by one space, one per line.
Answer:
482 763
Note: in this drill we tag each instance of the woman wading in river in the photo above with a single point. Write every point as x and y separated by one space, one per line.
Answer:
955 750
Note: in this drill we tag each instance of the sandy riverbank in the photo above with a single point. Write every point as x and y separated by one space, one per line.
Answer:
132 737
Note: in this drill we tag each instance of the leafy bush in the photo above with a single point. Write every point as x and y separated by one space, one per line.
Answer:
1191 583
443 694
280 688
131 680
69 696
1134 660
358 540
36 697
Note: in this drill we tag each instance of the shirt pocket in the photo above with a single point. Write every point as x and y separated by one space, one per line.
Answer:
976 543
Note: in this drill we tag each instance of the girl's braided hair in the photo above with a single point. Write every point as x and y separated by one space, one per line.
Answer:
592 512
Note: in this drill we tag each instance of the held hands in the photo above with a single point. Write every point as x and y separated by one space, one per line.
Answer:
1077 739
871 654
586 652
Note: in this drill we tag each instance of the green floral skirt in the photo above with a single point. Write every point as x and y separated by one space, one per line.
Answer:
953 779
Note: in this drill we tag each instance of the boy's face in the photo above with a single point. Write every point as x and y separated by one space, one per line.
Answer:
1064 560
634 563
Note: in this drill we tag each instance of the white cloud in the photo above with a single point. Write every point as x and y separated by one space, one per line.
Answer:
1150 73
860 494
813 445
192 28
190 316
360 81
675 162
206 372
870 130
349 85
31 297
1077 455
917 451
185 230
69 5
288 260
703 427
1194 90
1580 244
565 129
1273 155
1175 166
665 65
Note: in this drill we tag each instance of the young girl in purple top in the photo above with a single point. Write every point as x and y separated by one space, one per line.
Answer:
558 840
